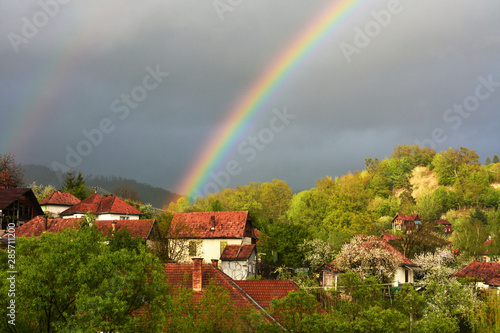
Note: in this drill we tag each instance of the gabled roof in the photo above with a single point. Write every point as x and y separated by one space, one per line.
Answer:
59 198
330 267
489 272
237 252
443 222
36 227
407 217
390 237
97 204
264 291
402 259
9 195
213 224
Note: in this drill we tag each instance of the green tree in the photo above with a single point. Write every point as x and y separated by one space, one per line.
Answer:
316 253
11 173
73 281
495 159
216 206
75 185
488 161
41 191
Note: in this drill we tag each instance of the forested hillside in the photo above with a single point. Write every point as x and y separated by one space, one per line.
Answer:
413 180
155 196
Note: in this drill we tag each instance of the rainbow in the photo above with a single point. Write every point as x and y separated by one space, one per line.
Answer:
251 104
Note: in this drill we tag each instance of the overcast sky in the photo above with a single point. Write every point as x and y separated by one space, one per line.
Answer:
426 72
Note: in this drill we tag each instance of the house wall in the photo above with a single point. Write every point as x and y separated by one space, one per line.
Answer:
399 277
240 270
106 217
54 210
210 248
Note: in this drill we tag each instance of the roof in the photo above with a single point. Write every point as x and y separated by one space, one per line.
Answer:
36 227
237 252
406 217
264 291
181 275
59 198
402 259
214 224
329 267
9 195
390 237
444 222
97 204
489 272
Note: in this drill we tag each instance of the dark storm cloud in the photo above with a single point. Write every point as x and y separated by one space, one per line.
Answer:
395 90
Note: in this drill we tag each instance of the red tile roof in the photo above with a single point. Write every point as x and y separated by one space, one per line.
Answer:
390 237
444 222
182 275
60 198
402 259
36 226
489 272
237 252
264 291
97 204
215 224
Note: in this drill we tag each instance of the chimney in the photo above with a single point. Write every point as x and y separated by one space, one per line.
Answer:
113 226
212 220
215 263
197 274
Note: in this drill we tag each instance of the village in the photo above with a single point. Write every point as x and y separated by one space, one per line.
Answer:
224 249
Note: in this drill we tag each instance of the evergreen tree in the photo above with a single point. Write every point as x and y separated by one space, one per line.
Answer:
495 159
488 160
75 186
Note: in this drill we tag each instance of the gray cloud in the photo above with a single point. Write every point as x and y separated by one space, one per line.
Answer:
395 91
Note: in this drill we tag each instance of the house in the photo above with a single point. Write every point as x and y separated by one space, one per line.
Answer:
104 208
57 202
256 294
17 206
209 233
487 272
448 228
329 275
239 261
403 222
404 273
144 229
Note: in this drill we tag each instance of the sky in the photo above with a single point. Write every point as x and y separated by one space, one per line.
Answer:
141 89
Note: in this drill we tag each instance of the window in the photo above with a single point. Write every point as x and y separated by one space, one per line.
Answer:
124 217
192 248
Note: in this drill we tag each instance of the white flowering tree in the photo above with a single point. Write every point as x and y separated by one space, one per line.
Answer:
442 259
368 256
316 252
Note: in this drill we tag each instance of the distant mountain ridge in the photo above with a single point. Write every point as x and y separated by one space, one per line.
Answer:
156 196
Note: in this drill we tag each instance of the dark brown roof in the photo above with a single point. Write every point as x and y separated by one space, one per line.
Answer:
97 204
36 226
264 291
237 252
489 272
59 198
444 222
215 224
408 217
9 195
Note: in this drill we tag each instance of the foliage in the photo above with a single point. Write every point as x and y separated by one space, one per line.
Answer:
486 316
412 241
368 256
41 191
316 253
11 173
73 281
280 242
75 185
441 259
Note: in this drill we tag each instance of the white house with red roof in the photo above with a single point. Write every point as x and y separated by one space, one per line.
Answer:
104 208
239 261
209 233
57 202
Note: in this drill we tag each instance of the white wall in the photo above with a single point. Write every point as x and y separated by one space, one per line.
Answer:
105 217
399 277
54 210
239 270
211 248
